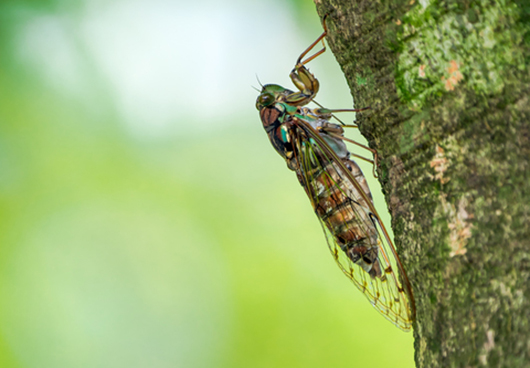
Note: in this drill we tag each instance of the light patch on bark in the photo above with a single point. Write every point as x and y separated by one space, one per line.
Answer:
459 227
457 218
424 4
454 76
506 289
421 71
440 163
487 347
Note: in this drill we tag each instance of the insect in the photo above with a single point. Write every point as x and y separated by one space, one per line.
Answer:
315 149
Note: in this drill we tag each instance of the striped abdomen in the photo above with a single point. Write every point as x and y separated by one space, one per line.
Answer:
345 212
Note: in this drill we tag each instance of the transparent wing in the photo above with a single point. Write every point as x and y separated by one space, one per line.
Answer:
356 237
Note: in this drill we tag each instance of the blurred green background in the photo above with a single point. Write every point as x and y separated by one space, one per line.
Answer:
145 220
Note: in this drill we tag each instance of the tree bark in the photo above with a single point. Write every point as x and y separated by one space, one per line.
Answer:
448 86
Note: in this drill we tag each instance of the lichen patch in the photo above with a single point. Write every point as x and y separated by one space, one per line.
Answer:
453 46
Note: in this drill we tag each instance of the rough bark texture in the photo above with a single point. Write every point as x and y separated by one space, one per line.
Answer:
448 84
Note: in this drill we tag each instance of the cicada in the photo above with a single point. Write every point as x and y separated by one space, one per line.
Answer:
315 149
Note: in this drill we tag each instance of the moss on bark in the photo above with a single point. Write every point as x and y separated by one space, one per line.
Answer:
448 83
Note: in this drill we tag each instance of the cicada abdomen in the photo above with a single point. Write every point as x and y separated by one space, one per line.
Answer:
344 211
342 201
342 206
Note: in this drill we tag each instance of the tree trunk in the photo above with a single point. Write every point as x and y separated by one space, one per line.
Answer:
448 86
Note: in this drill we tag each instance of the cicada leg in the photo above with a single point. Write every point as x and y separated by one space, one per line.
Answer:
306 82
339 135
330 113
306 51
374 162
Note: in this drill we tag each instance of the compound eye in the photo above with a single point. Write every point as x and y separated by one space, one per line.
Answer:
367 260
266 99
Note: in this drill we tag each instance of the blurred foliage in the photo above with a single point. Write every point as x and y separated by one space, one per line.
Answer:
304 11
191 250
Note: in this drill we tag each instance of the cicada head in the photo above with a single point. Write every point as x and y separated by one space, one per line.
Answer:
271 93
